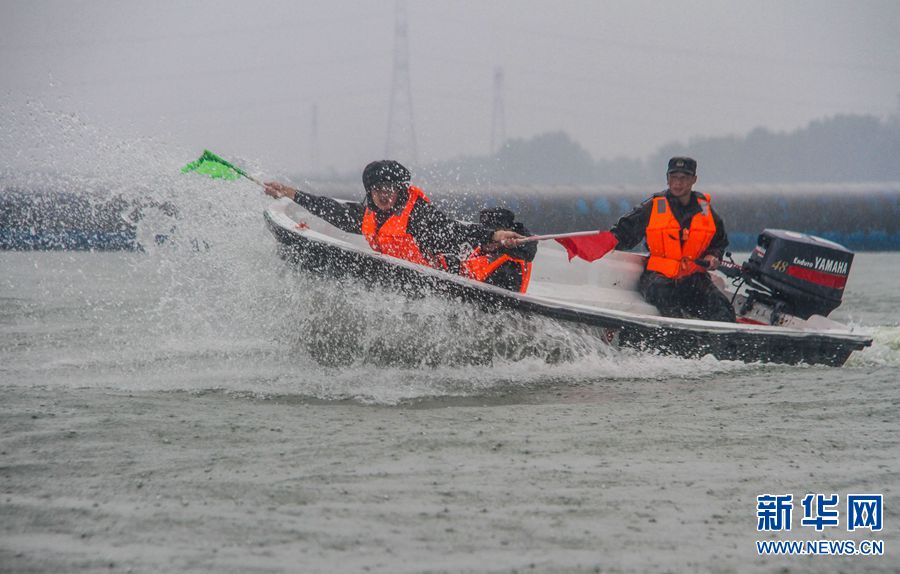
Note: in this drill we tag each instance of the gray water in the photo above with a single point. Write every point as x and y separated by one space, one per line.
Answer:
203 407
214 307
189 320
174 411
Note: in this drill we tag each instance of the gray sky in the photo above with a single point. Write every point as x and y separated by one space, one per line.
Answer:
622 78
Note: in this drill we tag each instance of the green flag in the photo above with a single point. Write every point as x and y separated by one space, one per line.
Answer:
212 165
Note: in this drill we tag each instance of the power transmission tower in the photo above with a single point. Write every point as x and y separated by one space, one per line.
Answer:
498 118
314 140
401 132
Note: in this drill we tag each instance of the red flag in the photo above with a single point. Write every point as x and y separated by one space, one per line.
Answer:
589 247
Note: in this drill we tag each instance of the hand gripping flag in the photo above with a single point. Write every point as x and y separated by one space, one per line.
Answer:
589 247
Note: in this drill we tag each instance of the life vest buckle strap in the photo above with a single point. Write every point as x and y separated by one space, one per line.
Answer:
672 247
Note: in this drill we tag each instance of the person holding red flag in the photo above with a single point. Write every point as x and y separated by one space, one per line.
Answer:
685 237
495 264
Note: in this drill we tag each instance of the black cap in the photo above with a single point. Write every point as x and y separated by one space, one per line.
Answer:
497 218
683 165
384 171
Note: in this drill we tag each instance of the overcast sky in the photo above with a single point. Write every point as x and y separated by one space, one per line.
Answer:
622 78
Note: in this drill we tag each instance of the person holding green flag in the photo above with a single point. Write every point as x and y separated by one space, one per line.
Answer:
398 220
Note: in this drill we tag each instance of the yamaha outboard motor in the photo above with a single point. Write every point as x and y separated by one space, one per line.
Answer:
806 273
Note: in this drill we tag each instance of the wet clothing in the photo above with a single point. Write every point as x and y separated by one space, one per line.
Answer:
693 297
692 294
431 230
632 227
673 249
391 237
506 268
498 269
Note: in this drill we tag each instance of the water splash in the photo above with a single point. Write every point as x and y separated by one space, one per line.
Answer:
884 352
213 307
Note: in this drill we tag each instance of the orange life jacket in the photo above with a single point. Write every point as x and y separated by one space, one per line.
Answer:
480 267
673 250
393 239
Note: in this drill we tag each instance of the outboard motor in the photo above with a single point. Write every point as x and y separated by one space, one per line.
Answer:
806 273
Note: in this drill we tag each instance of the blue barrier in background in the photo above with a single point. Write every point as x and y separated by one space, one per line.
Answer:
862 217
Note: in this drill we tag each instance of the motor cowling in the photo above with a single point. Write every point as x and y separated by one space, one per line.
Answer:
807 272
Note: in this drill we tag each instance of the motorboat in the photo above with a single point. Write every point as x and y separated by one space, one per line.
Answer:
782 294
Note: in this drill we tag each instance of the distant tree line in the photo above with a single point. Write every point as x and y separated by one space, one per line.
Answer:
843 148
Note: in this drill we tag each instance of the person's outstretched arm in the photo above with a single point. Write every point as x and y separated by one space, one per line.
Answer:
631 227
346 216
436 232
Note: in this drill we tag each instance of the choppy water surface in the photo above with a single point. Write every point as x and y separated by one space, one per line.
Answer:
215 308
235 317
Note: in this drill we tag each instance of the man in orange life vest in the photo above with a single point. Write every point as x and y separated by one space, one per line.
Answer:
504 266
398 220
680 228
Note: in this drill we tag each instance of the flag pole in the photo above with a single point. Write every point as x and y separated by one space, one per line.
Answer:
558 236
